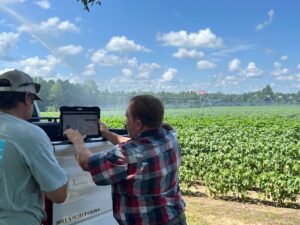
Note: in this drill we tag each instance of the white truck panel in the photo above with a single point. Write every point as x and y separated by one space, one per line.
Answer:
87 203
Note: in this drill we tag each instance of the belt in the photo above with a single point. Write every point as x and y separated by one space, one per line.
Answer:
180 219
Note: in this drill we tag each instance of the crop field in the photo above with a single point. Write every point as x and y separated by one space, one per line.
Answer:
235 150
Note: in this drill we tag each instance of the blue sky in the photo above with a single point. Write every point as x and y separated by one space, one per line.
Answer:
231 46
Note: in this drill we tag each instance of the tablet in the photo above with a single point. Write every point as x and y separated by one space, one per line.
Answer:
84 119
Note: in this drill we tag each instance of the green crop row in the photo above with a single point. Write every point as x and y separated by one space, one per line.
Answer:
235 153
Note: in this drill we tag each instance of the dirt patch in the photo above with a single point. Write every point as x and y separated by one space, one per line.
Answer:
204 210
207 211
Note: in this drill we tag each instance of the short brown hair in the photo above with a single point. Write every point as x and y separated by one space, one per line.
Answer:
9 100
148 109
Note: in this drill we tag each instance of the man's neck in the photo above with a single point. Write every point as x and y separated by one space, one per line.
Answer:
145 129
14 112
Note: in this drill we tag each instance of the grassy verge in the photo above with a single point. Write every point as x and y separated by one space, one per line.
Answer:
208 211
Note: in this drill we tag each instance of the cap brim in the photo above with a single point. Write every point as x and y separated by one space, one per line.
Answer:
37 97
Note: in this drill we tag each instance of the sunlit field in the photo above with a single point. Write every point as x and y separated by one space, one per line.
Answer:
254 110
235 149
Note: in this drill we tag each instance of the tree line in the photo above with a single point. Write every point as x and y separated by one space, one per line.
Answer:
62 92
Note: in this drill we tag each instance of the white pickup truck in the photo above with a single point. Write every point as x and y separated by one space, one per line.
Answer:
86 204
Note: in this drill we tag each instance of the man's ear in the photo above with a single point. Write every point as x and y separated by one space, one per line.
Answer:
139 124
28 99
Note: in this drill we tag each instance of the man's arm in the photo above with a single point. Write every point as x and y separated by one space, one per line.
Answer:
82 153
59 195
112 137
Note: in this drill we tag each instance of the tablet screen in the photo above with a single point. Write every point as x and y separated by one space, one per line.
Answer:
84 119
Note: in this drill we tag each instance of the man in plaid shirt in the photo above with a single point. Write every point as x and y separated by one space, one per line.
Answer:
142 169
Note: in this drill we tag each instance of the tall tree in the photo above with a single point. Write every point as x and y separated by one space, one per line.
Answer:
56 95
267 92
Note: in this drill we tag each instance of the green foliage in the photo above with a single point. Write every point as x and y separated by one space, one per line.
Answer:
114 121
52 109
236 153
234 150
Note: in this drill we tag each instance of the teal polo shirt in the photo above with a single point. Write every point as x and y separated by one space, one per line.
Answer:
28 168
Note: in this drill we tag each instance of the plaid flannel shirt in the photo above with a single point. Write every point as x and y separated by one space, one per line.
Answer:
143 173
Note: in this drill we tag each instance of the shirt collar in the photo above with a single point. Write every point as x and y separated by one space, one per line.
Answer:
152 132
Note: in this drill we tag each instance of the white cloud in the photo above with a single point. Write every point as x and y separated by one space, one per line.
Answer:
252 70
40 67
105 58
5 70
152 85
5 23
44 4
298 66
202 39
127 72
145 69
69 50
132 62
184 53
7 42
121 44
234 65
261 26
125 84
284 58
231 78
52 25
277 64
285 78
169 74
102 57
67 26
229 51
90 70
225 82
280 72
205 64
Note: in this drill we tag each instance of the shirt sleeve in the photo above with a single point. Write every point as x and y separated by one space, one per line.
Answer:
42 162
109 167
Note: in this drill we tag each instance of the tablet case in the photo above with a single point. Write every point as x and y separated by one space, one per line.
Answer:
84 119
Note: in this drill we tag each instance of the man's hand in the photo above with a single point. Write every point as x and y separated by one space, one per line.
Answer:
103 129
112 137
82 153
74 136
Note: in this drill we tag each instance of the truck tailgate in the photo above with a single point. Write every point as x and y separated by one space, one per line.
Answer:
87 203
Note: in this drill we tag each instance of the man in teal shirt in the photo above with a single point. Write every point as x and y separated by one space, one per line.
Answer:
28 167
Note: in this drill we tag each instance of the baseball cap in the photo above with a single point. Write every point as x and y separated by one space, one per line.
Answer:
18 81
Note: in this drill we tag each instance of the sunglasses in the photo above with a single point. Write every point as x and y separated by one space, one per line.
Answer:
36 86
